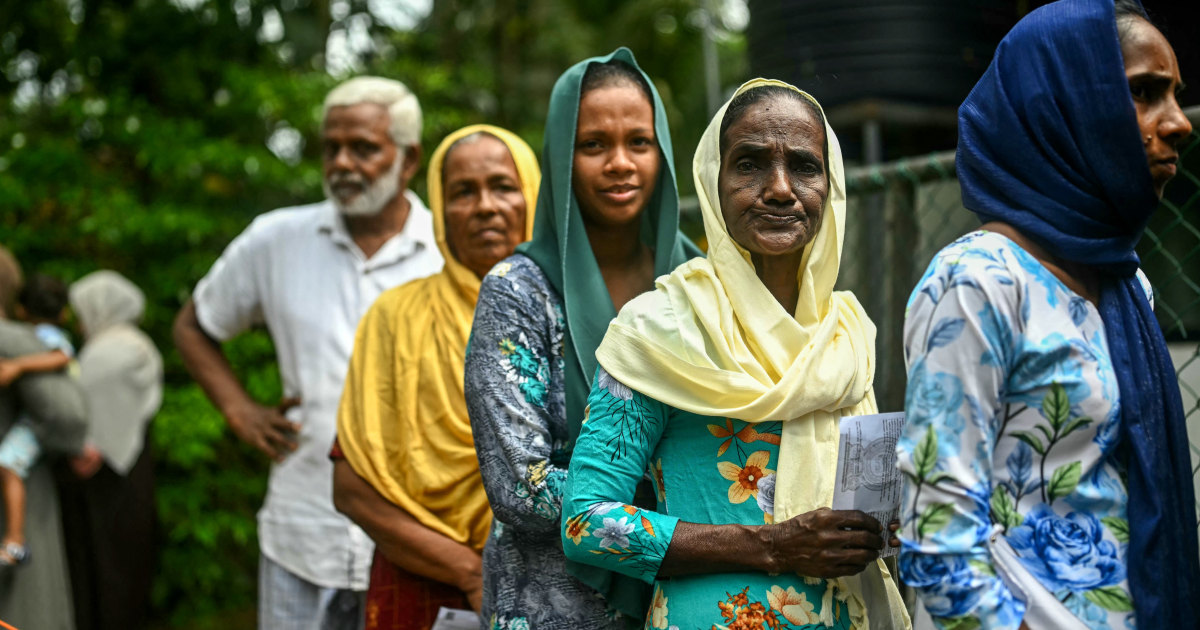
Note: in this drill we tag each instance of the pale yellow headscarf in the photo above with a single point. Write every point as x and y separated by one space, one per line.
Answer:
712 340
403 422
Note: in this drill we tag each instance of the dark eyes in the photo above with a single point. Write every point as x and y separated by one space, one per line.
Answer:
359 148
594 145
807 167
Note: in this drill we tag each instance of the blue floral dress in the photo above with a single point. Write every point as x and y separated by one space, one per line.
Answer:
704 470
515 392
1012 424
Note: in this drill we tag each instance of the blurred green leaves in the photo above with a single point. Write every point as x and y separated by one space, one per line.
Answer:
143 135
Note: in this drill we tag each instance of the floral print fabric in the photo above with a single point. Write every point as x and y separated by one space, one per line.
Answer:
1012 422
704 470
515 398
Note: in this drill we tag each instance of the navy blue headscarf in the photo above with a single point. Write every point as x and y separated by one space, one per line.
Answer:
1049 144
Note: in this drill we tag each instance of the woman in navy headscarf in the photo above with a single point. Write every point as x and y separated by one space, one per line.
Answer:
1046 445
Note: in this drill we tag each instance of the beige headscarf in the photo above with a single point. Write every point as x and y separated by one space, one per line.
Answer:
120 369
712 340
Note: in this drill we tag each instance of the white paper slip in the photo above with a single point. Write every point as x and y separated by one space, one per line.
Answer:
867 477
455 619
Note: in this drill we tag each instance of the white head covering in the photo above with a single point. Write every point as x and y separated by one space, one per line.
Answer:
120 369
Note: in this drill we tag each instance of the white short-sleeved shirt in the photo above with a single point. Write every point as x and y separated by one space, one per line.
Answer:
298 271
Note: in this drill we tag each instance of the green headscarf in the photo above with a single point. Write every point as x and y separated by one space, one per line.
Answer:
560 247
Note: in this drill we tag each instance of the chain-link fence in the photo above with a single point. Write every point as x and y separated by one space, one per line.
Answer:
901 213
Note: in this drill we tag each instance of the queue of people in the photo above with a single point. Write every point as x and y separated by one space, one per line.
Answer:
538 400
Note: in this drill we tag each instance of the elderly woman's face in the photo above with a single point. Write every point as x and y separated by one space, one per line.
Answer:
772 183
1153 75
485 208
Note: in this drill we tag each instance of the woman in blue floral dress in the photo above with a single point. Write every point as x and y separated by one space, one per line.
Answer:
606 225
1045 444
726 384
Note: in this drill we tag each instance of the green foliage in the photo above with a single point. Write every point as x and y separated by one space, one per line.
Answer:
137 136
1063 480
1110 598
1118 526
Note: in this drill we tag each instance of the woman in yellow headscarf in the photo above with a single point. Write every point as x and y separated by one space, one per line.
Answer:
405 467
726 383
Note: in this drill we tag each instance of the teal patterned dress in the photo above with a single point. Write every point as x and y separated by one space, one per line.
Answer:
1013 414
704 470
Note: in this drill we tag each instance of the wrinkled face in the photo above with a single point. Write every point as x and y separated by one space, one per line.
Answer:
485 209
362 165
1153 75
616 159
772 184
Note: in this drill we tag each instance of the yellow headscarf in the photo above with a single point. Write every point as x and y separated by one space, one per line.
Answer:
712 340
403 422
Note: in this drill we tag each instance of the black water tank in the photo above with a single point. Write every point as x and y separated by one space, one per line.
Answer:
924 52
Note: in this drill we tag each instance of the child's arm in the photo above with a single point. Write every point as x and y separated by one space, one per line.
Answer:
12 369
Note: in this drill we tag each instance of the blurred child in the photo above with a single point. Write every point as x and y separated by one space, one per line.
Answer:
43 303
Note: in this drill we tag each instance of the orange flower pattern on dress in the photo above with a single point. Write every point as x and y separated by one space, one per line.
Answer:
745 478
577 528
746 434
785 610
628 439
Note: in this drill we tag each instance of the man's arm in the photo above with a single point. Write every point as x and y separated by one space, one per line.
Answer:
262 427
12 369
402 539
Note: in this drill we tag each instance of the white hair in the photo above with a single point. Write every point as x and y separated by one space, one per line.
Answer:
404 111
374 196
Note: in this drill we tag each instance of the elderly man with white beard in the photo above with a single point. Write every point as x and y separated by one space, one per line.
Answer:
308 274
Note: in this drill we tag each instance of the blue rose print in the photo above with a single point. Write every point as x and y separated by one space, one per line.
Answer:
997 331
1044 277
1053 360
962 532
1094 616
934 399
1066 552
945 583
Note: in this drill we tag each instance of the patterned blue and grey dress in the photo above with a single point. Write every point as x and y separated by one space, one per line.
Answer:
1013 418
515 388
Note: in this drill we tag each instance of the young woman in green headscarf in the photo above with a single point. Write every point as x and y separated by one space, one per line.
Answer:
606 226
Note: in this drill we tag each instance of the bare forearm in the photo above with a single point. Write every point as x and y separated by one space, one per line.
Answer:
697 548
206 362
42 362
822 543
402 539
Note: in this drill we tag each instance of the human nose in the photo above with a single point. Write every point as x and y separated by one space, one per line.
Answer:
340 159
489 203
619 161
1175 126
777 188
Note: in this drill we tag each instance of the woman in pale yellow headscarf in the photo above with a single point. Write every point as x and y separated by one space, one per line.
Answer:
405 465
726 383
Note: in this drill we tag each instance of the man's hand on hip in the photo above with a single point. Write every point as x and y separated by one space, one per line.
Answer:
266 428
